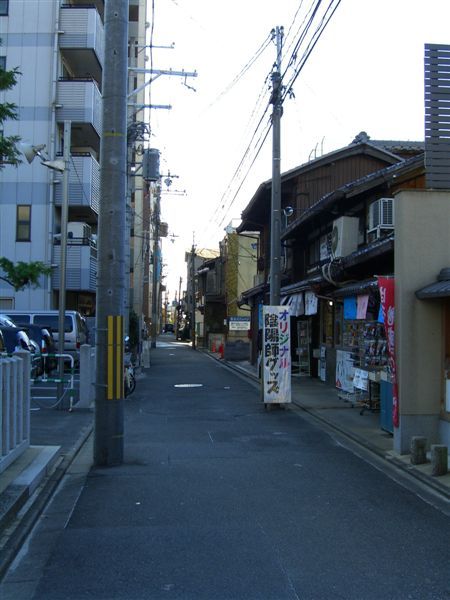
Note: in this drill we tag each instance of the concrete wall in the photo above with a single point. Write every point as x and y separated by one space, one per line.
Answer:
422 249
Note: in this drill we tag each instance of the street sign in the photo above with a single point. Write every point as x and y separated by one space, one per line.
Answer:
239 323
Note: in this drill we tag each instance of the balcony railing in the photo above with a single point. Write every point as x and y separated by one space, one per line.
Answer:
79 101
84 182
81 266
82 30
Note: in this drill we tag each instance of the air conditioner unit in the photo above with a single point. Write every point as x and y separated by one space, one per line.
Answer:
344 236
258 279
381 215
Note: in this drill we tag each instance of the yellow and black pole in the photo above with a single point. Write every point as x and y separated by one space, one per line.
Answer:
115 378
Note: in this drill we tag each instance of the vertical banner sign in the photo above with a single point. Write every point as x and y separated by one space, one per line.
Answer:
276 349
387 296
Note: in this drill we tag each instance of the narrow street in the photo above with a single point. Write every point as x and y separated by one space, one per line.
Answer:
219 499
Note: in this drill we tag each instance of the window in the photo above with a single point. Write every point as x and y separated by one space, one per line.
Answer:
4 7
6 304
3 63
23 223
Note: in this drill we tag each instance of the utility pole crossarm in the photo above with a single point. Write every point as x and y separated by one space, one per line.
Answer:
157 73
160 72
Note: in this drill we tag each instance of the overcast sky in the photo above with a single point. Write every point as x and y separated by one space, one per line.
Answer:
364 74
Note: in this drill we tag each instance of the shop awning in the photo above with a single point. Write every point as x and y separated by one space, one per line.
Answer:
355 288
439 289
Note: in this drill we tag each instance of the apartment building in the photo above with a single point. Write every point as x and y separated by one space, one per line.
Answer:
58 46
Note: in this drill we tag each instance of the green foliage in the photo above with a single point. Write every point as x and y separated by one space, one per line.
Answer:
9 154
21 274
134 329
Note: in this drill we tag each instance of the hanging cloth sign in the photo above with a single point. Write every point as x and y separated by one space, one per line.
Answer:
310 303
350 308
361 306
386 286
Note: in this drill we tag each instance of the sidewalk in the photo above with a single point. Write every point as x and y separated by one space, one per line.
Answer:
29 482
57 437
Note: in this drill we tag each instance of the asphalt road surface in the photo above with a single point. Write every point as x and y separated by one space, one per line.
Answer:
220 500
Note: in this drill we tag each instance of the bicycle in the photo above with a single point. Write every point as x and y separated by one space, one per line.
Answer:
129 379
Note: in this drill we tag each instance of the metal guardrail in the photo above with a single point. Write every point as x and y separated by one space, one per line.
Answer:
45 379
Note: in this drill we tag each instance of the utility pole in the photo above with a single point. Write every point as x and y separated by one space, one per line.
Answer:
179 308
156 267
63 263
193 294
275 223
109 400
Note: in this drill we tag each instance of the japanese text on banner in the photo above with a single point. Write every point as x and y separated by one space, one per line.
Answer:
276 359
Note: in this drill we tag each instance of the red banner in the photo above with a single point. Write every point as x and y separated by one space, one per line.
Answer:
387 296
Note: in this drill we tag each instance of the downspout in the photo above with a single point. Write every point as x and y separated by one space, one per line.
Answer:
52 152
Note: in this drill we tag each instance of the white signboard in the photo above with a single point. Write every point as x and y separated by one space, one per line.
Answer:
239 323
344 371
276 355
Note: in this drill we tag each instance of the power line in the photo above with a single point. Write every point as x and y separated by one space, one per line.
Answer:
243 71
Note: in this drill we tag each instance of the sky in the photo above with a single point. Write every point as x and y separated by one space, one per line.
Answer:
365 73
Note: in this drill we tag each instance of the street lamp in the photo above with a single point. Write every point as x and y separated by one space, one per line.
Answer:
62 166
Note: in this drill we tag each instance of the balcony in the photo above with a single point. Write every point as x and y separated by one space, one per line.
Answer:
82 40
81 266
80 101
98 4
84 184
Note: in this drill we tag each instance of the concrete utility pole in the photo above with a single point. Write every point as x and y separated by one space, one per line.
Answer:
63 262
275 223
108 439
193 295
156 267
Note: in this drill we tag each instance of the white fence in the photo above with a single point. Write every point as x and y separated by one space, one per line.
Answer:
15 407
87 376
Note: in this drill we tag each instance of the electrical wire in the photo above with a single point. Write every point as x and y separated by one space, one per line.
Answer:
329 12
237 171
305 28
243 71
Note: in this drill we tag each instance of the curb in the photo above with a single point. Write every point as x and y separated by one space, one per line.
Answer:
27 504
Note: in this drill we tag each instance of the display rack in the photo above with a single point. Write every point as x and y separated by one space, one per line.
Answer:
366 341
304 348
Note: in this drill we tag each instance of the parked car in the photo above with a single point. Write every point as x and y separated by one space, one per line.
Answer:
14 339
75 329
168 328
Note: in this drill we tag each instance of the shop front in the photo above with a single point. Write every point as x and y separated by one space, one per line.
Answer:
362 368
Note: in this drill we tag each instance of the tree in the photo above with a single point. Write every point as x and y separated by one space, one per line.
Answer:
9 154
21 274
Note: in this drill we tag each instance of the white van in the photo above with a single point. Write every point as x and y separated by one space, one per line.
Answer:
75 329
